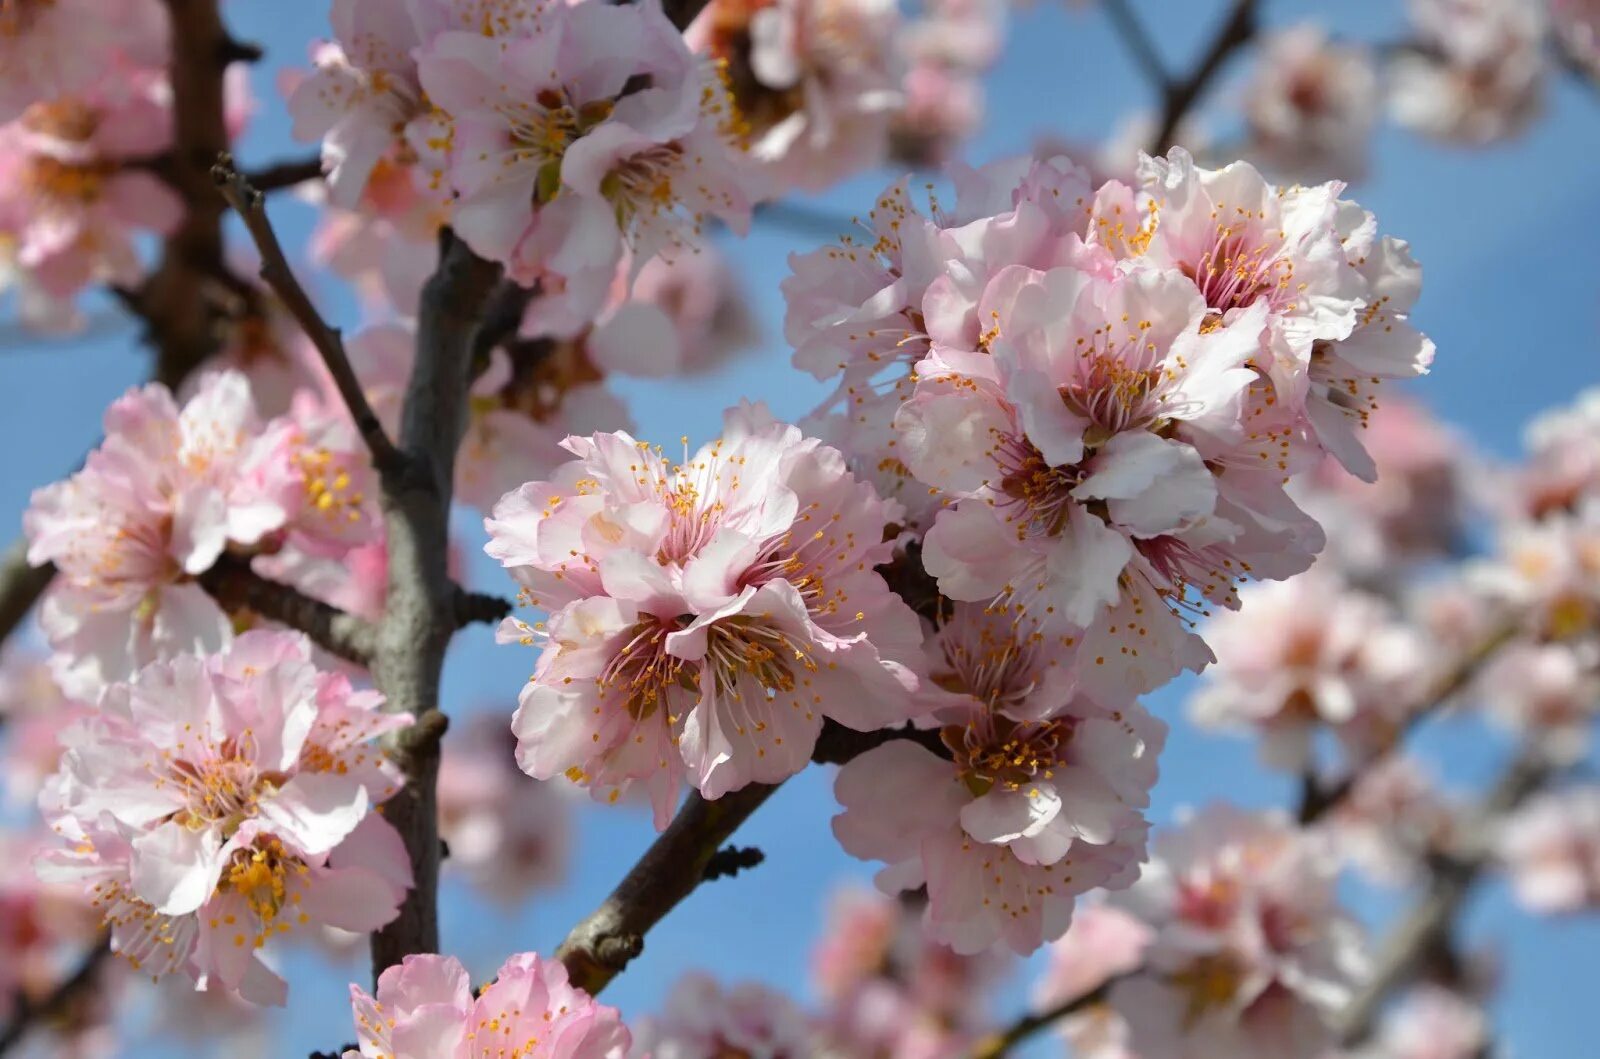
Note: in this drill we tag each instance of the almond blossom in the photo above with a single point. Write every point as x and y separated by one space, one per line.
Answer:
556 168
1311 107
1479 74
52 49
212 804
1102 944
155 505
702 1019
705 617
1250 953
1391 820
1551 847
1546 691
1309 653
1430 1023
33 712
507 834
71 204
1563 462
1040 799
1577 31
815 80
425 1008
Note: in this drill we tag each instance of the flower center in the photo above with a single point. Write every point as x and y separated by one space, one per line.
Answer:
1038 496
1241 267
261 876
992 749
326 481
745 646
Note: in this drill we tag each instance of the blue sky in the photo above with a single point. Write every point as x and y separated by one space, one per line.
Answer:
1505 236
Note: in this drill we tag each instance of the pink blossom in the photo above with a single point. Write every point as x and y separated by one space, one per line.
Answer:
940 108
1430 1023
1552 849
1479 74
387 245
1415 510
1548 571
555 170
1040 800
1311 106
155 505
815 80
685 315
1547 691
1250 954
703 1020
212 804
1309 653
507 833
71 205
705 617
52 49
42 925
425 1009
33 713
1392 819
1577 30
1563 462
1102 944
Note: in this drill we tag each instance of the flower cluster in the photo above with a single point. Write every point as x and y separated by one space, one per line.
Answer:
213 804
167 493
1090 399
1478 73
546 152
1552 849
1311 106
1249 952
1038 799
425 1008
704 1019
705 618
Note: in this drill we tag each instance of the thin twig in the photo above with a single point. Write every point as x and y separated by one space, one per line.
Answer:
1237 30
1138 42
1428 923
473 607
729 861
30 1014
1001 1043
837 744
1317 801
236 586
288 173
251 207
604 942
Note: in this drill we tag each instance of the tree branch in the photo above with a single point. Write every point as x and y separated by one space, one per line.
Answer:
599 947
234 585
30 1014
682 12
1428 924
473 607
1001 1043
252 208
21 585
1316 801
731 860
837 744
288 173
1180 97
1138 42
421 611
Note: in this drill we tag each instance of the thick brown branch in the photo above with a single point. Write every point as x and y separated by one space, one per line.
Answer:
252 208
1181 96
421 611
999 1044
236 587
1427 925
21 585
599 947
32 1014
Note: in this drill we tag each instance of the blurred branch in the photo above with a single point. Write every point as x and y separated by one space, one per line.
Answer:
285 174
235 586
1423 929
21 585
683 12
31 1014
1138 42
252 207
1316 800
1000 1044
1181 96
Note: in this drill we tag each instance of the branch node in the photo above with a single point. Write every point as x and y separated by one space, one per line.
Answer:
474 607
731 860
